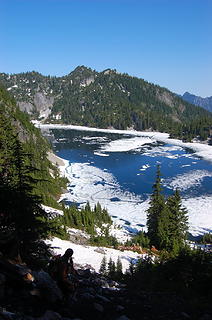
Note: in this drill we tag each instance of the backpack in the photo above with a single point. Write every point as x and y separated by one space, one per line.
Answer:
53 266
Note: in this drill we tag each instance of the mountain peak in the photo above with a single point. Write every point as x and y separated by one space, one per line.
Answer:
81 69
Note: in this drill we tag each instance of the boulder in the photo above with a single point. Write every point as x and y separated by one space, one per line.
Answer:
50 315
47 287
98 307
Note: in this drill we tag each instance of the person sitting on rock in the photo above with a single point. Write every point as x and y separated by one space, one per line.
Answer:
67 275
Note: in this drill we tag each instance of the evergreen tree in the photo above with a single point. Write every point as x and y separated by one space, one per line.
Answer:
157 215
167 221
103 266
178 222
119 272
111 268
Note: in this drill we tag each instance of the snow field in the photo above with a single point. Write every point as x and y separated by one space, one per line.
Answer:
88 255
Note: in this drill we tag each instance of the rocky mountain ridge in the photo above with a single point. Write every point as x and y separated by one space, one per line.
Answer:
106 99
205 103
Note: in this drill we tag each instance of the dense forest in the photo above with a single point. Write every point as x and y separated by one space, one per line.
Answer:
107 99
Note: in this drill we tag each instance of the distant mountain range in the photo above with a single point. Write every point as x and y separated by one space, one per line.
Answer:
205 103
106 99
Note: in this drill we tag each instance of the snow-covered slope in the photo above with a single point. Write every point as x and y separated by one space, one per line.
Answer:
89 255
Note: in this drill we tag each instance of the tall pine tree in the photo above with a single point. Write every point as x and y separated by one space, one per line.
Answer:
167 220
178 222
157 214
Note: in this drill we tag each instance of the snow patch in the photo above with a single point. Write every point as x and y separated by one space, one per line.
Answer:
200 214
92 184
52 211
144 167
101 154
89 255
187 180
123 145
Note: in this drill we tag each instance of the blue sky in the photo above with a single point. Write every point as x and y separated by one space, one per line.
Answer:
167 42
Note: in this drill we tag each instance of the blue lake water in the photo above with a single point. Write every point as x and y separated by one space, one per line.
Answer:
135 170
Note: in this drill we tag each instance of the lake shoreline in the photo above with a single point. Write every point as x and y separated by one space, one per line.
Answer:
200 149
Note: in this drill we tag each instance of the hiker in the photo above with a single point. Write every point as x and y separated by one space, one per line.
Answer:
67 275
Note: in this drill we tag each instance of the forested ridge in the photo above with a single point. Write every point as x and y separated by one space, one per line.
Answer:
107 99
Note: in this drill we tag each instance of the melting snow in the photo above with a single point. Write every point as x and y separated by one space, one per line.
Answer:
123 145
187 180
89 255
92 184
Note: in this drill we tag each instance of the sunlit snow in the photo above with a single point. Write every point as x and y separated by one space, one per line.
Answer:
123 145
187 180
88 255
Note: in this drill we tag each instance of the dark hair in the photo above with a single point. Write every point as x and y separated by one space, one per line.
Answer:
69 252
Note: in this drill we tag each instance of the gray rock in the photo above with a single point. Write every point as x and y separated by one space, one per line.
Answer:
26 107
185 315
91 291
120 308
112 283
100 283
6 315
87 297
98 307
47 287
50 315
123 318
43 103
102 298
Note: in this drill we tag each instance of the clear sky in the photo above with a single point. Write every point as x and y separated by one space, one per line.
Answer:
167 42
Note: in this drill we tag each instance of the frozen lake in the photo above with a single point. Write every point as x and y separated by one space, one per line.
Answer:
119 171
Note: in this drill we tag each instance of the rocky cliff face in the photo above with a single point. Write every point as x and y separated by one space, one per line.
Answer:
41 105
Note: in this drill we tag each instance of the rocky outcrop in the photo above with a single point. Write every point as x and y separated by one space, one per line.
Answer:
26 107
43 104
